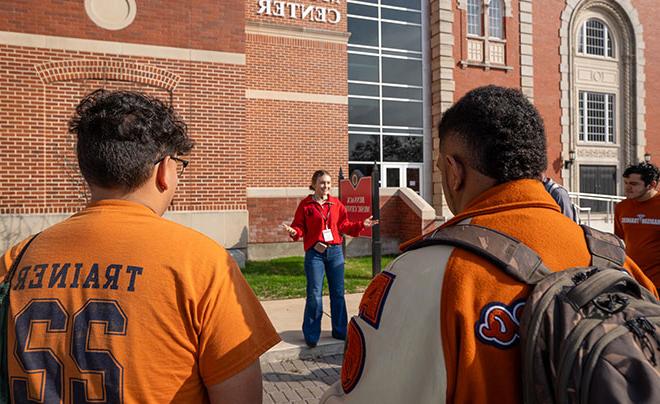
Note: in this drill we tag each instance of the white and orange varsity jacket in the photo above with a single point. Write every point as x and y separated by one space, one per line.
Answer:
440 324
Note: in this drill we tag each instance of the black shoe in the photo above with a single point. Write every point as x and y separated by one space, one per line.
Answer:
310 344
339 336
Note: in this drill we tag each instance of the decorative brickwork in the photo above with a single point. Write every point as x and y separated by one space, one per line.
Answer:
118 70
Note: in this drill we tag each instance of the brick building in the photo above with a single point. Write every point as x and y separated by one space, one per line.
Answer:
273 90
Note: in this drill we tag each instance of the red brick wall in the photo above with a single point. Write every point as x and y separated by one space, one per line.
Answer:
547 77
287 64
472 76
648 12
287 141
410 223
266 214
202 24
39 169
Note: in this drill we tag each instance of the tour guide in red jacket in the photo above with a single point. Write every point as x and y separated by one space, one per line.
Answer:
320 220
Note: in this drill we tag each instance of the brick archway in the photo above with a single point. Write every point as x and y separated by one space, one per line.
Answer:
83 69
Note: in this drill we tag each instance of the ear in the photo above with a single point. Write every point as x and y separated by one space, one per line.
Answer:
163 175
455 172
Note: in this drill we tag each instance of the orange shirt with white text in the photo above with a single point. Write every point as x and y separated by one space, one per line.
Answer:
638 224
117 304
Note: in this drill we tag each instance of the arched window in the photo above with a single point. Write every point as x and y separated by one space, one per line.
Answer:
595 38
496 19
475 23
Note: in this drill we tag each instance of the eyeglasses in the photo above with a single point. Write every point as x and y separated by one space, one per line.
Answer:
184 164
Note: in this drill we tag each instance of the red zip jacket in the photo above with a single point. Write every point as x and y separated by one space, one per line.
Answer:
310 221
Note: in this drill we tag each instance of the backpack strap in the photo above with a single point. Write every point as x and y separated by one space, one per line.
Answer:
606 249
17 260
513 257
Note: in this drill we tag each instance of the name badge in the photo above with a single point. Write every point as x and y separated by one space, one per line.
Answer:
327 235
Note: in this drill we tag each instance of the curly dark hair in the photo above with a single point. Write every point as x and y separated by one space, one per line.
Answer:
501 131
122 134
647 171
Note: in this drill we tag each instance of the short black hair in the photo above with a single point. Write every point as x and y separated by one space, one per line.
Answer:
647 171
122 134
501 131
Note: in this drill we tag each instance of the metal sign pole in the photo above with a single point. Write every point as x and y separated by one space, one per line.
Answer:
340 179
375 231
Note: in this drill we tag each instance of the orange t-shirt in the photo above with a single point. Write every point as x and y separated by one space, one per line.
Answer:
120 305
638 224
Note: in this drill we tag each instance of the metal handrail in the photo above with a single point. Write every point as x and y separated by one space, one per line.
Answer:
584 209
610 199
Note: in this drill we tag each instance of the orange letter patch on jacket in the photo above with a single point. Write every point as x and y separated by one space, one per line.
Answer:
498 324
373 300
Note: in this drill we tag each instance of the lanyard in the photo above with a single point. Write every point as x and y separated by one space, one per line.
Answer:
326 218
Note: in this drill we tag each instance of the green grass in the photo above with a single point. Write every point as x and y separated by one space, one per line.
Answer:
284 278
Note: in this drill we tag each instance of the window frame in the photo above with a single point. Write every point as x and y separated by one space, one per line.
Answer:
385 55
608 115
489 45
501 19
480 17
608 39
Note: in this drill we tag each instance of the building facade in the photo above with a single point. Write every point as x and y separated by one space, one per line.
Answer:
273 90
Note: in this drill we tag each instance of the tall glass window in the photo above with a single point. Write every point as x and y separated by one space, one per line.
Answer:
475 22
496 19
596 115
385 94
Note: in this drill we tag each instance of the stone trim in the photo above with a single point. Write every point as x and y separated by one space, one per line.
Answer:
80 69
296 32
293 96
416 203
526 49
442 82
632 95
228 227
119 48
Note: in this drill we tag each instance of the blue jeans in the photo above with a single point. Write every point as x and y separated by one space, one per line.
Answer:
330 262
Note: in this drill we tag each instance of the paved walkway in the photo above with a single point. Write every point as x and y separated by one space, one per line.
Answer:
286 316
299 381
292 372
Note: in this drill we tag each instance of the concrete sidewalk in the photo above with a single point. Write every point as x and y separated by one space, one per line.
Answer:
287 315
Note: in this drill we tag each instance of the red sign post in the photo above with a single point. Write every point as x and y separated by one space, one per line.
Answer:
356 196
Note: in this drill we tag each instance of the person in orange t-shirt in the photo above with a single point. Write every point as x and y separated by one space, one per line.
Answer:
637 219
426 332
117 304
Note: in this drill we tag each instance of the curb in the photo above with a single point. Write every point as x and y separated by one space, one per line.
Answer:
303 352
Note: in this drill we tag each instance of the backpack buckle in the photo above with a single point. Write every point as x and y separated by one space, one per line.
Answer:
611 303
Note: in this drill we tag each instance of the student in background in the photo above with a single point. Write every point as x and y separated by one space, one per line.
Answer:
560 195
637 218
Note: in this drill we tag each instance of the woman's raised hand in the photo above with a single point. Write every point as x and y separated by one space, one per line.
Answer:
370 221
292 232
